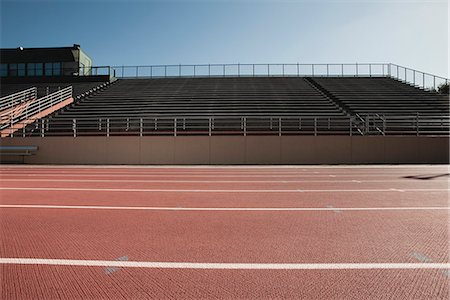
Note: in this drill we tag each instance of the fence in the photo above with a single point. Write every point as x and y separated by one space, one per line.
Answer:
372 124
12 100
408 75
31 108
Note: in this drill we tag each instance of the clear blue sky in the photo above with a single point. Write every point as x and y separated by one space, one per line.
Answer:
131 32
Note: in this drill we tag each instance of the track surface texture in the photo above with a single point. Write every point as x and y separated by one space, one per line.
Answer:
293 232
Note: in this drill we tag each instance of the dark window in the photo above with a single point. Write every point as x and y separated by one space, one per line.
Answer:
48 69
21 69
39 69
31 69
57 69
12 69
3 70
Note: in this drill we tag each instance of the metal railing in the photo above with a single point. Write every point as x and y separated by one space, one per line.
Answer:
31 108
12 100
414 77
372 124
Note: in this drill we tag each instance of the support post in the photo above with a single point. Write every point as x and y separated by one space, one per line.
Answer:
175 127
107 127
74 127
279 126
209 127
315 126
141 125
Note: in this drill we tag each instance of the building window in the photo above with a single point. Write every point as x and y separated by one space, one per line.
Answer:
53 69
12 69
39 67
3 70
48 69
31 69
21 70
56 69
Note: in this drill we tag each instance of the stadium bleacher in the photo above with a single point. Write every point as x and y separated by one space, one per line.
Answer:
227 105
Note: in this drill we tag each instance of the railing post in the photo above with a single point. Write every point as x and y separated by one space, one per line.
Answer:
328 72
342 70
194 70
370 70
209 70
423 80
298 70
434 82
268 69
315 126
179 70
356 65
42 128
156 124
74 127
384 125
417 124
351 125
239 69
223 70
209 127
175 127
137 71
279 126
151 71
23 130
107 127
165 71
141 129
312 67
282 66
245 126
367 124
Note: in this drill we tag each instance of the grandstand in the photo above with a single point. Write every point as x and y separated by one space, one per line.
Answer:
169 101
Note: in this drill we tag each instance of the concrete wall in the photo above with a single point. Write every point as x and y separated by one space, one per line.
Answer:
235 150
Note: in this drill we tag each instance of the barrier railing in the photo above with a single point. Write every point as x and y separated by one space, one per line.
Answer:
10 118
408 75
146 126
8 102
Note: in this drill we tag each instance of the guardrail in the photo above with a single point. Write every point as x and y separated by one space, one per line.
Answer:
36 106
12 100
414 77
288 125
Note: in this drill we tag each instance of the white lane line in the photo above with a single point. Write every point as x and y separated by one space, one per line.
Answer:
331 208
200 181
90 174
215 191
223 266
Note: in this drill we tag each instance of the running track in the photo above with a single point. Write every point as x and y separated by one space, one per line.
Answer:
363 232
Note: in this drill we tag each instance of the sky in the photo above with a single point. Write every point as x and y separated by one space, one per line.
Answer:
138 32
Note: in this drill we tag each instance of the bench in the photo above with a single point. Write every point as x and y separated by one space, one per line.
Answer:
18 151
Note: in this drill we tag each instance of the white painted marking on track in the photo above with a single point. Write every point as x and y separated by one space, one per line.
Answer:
215 191
222 266
193 181
330 208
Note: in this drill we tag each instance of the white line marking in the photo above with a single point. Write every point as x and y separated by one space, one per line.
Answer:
199 181
214 191
228 266
331 208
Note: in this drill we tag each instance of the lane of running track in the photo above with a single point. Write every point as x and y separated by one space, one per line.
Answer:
328 238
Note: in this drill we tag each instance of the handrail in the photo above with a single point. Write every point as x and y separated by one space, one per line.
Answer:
242 125
34 107
411 76
12 100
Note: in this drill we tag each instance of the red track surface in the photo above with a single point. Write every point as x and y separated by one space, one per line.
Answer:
332 236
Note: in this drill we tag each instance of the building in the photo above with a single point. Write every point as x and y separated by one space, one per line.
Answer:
44 62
